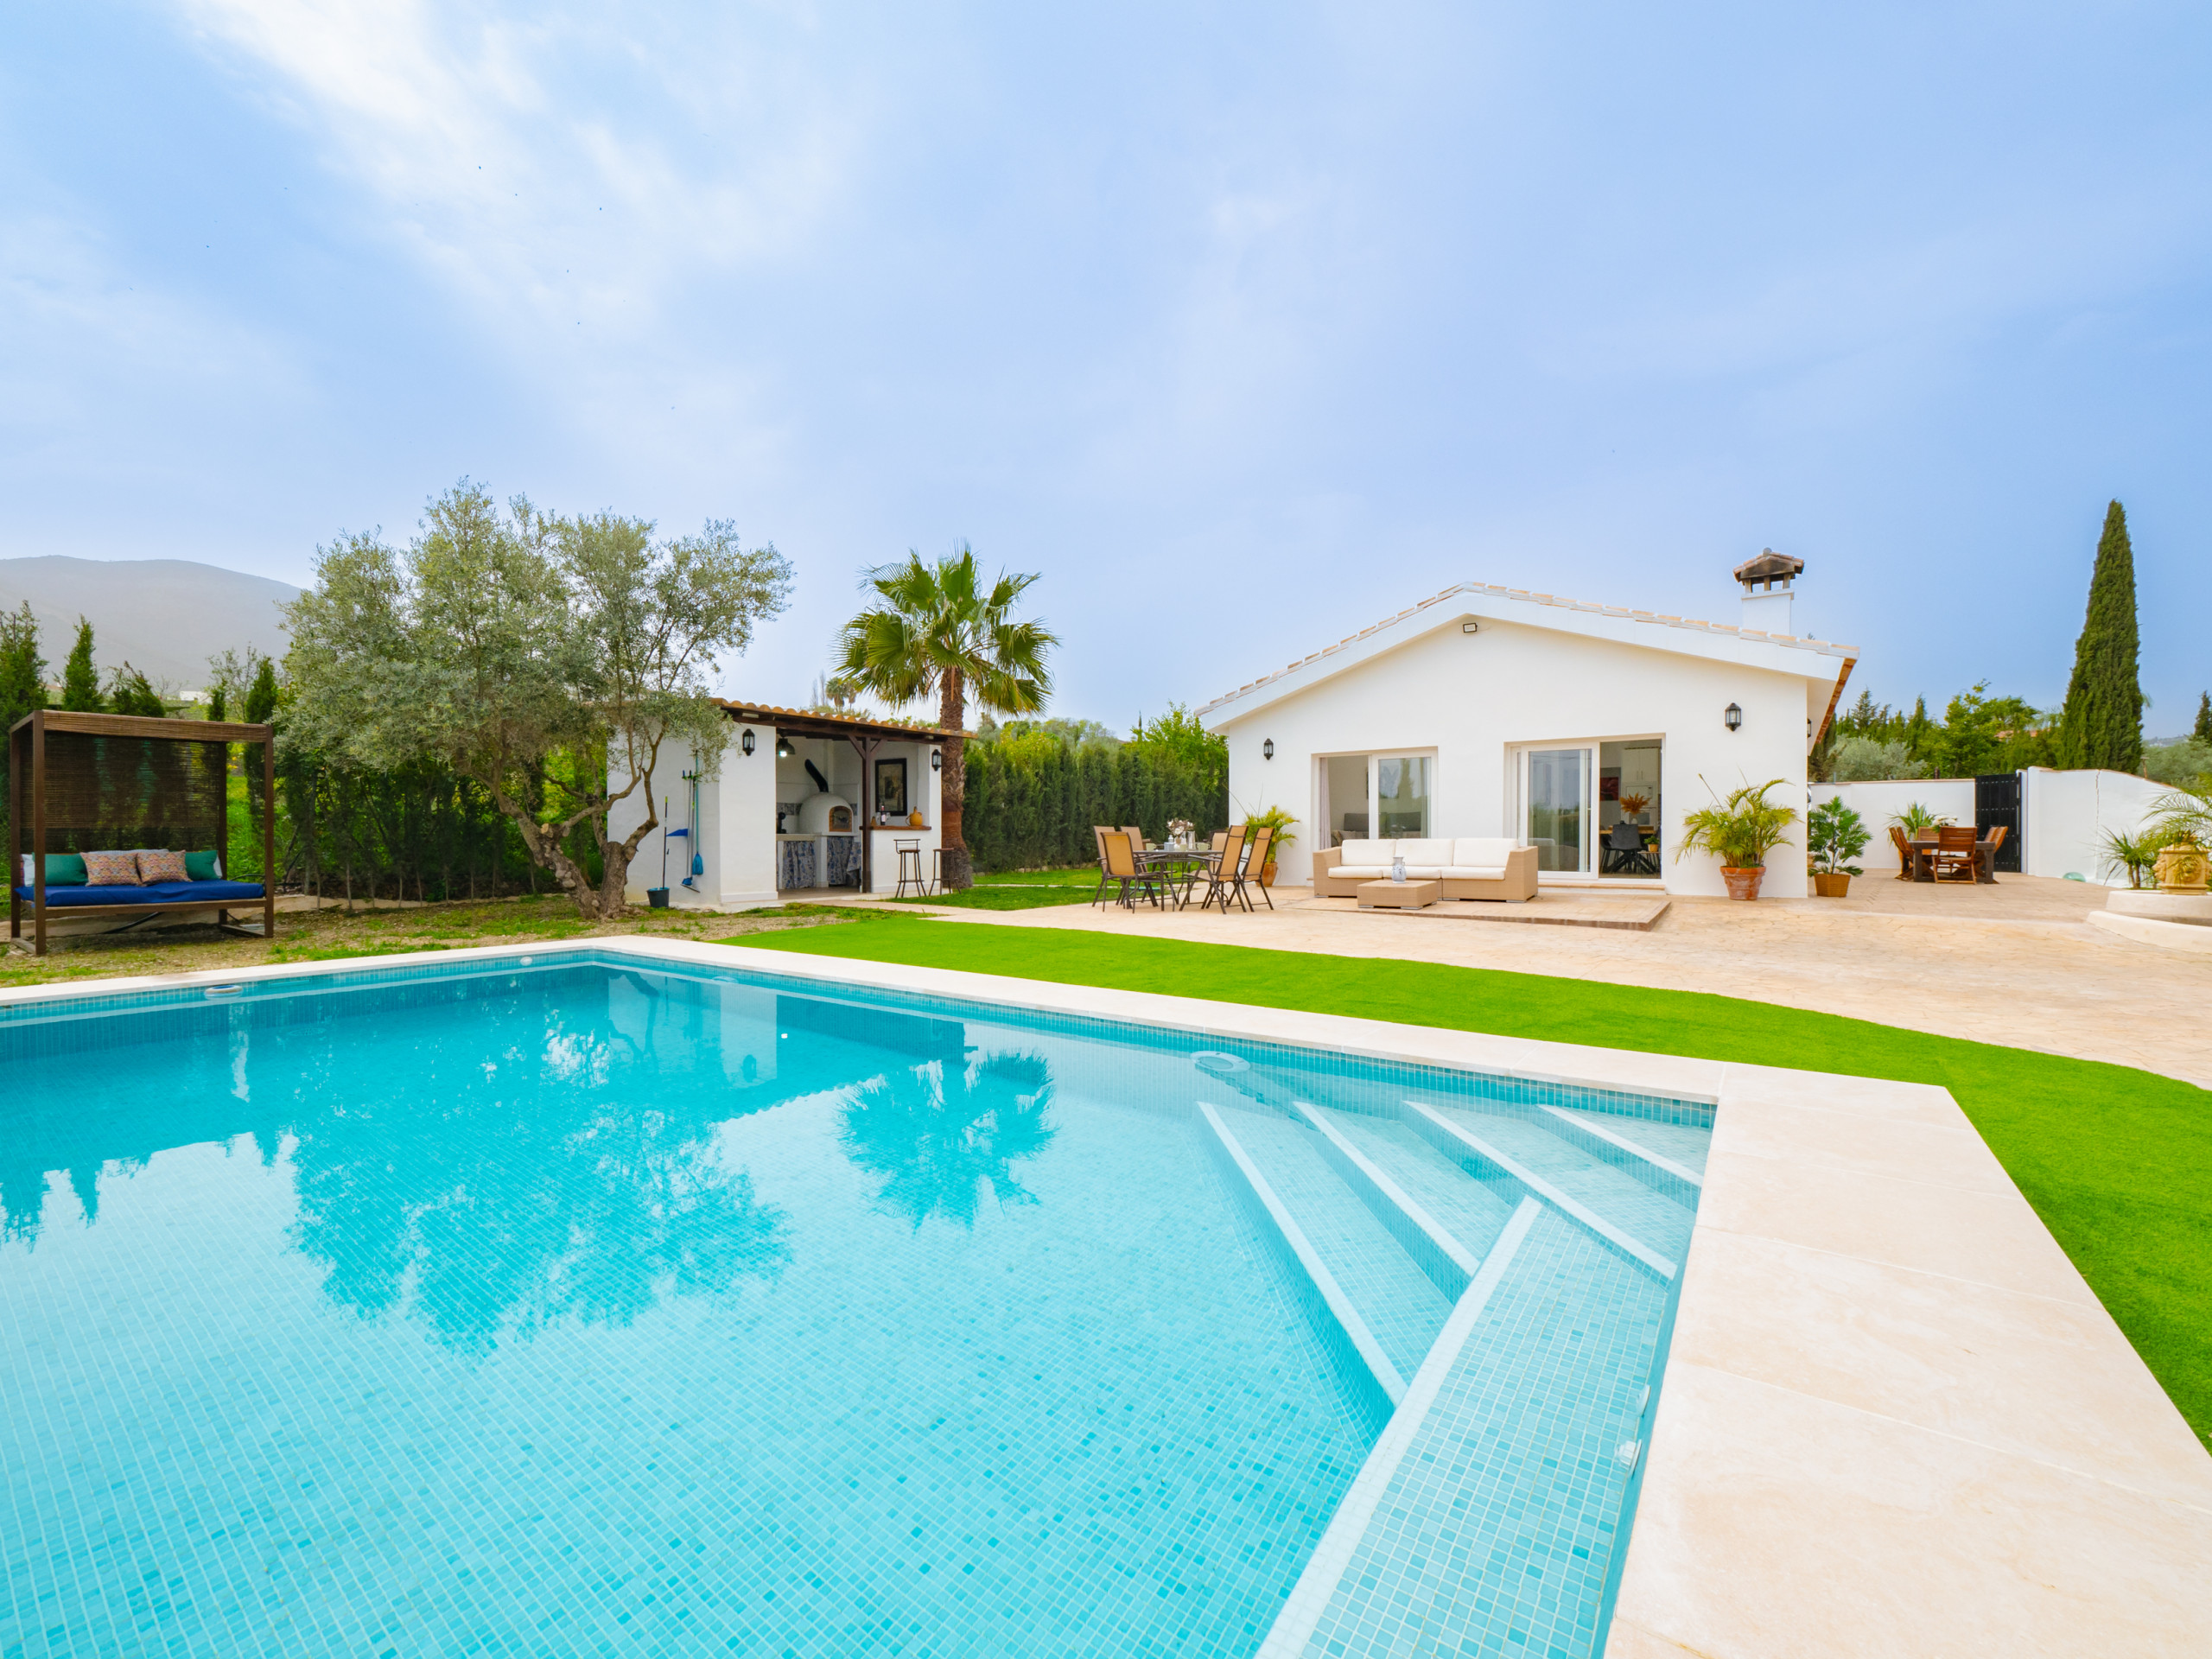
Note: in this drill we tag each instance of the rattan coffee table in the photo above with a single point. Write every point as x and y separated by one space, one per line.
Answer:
1398 895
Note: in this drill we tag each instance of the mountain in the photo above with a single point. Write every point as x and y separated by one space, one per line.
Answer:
164 617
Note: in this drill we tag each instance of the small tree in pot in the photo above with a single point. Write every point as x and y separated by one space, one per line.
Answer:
1740 830
1834 836
1278 820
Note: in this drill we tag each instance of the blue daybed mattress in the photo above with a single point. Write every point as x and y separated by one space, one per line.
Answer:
154 893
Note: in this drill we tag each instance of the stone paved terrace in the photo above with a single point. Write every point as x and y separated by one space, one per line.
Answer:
2015 963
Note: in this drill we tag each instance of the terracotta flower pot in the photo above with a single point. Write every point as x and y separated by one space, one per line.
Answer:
1832 886
1268 873
1743 884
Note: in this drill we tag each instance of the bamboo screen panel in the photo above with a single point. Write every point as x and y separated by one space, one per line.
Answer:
132 791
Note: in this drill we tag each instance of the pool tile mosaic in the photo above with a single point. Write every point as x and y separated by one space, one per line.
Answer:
559 1304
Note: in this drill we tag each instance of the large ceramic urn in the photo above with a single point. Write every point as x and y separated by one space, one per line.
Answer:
2181 867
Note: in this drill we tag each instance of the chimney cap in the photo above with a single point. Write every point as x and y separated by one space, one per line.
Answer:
1768 568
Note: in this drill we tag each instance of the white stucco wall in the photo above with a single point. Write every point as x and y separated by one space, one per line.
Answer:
2067 815
1471 699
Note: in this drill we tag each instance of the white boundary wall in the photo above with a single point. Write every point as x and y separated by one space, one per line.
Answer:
2067 813
2064 815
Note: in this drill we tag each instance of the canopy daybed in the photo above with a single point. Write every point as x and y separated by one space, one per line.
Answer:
127 783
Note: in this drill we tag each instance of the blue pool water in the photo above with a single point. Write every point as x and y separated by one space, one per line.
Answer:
568 1304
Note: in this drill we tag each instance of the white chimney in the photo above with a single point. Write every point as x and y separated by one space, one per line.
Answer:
1767 583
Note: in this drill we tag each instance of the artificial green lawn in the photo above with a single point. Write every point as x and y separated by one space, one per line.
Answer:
2118 1162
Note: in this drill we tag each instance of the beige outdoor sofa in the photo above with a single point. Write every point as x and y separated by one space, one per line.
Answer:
1472 866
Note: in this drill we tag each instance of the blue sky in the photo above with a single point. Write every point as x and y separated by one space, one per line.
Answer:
1244 325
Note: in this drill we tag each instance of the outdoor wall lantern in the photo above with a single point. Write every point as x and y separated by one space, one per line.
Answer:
1469 627
746 741
1267 749
937 759
1733 717
784 750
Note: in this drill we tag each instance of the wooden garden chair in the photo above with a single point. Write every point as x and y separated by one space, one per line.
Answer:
1955 851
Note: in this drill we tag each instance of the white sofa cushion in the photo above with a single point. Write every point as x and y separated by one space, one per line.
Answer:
1474 873
1426 853
1365 852
1362 872
1483 851
1424 872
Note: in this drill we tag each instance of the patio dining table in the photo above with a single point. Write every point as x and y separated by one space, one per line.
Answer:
1189 859
1985 860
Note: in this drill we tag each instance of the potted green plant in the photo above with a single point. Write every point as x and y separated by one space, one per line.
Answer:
1834 836
1740 830
1917 820
1277 819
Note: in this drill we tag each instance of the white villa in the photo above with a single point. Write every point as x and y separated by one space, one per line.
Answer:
1583 730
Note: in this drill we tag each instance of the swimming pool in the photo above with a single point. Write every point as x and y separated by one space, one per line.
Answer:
573 1302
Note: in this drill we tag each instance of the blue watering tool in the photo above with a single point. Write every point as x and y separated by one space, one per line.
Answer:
691 834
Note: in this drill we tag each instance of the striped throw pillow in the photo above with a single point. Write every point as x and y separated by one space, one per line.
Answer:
161 865
112 870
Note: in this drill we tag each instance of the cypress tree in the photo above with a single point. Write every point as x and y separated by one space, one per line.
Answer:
22 670
134 693
2203 732
261 696
81 682
2102 723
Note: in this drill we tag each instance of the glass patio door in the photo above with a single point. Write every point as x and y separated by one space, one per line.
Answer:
1555 789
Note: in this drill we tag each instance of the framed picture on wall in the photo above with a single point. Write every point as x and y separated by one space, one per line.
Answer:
891 789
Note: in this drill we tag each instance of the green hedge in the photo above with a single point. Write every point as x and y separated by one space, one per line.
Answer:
1034 808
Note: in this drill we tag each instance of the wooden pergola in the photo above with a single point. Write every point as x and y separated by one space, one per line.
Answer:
117 780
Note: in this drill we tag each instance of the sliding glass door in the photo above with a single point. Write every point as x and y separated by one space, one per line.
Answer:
1556 791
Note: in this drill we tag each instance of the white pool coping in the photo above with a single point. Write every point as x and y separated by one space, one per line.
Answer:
1894 1419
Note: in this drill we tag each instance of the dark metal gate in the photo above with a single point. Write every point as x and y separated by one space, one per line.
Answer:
1996 804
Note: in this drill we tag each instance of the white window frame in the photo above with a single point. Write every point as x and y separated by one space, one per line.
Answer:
1322 807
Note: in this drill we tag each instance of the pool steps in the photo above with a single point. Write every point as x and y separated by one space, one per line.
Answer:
1339 1188
1441 1256
1657 1170
1381 1376
1309 1599
1456 1139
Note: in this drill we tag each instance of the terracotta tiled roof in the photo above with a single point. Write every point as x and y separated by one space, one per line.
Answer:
1824 647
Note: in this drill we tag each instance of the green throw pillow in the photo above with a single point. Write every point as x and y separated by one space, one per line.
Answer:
202 866
62 870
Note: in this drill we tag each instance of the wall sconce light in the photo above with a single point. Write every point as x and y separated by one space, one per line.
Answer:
1469 627
746 741
937 759
1733 718
784 750
1267 749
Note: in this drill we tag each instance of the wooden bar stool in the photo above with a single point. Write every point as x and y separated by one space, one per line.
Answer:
910 869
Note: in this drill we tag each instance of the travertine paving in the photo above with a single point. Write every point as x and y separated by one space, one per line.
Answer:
2014 964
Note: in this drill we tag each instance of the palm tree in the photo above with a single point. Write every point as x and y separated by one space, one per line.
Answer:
939 630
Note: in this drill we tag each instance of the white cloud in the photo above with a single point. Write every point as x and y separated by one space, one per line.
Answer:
569 170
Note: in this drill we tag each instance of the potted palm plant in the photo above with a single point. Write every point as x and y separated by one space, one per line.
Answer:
1834 836
1740 830
1277 819
1917 820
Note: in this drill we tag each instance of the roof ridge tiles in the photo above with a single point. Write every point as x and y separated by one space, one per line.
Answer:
1804 642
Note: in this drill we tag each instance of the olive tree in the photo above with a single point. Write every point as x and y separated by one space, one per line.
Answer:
541 656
